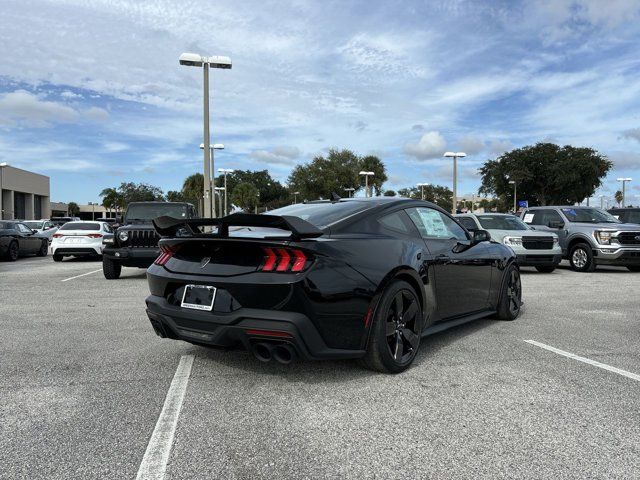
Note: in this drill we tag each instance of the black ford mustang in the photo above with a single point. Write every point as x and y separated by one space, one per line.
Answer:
351 278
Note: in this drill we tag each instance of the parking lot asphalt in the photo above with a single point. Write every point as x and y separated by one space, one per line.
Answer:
83 381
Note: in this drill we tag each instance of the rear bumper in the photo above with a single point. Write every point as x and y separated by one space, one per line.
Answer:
132 257
241 328
76 250
539 260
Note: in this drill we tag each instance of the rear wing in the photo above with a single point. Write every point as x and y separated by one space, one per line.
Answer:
299 228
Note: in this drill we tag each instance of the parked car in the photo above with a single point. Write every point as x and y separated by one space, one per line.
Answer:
626 215
113 222
44 227
588 236
135 243
17 239
532 248
79 239
59 221
353 278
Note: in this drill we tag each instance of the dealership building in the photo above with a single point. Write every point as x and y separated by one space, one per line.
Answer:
23 195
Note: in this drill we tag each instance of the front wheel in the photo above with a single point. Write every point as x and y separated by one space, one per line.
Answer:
581 258
110 269
395 333
511 295
634 268
545 269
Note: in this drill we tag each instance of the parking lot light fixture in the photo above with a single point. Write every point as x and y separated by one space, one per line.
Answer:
624 182
455 156
367 193
3 164
295 197
515 192
422 185
225 171
196 60
350 191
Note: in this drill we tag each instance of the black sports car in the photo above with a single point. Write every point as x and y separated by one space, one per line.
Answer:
17 239
351 278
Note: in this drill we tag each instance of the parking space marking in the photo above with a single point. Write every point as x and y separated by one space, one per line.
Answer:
154 462
604 366
81 275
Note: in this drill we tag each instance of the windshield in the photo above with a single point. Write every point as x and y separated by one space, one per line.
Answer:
589 215
33 225
501 222
322 214
80 226
149 211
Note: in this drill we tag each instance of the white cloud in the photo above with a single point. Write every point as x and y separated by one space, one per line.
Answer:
26 108
633 133
498 147
281 155
431 145
470 145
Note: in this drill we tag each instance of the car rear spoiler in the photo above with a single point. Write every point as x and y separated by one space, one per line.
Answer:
299 228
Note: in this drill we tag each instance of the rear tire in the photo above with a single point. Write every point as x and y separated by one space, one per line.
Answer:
634 268
581 258
511 295
57 258
111 269
395 333
44 249
14 251
545 269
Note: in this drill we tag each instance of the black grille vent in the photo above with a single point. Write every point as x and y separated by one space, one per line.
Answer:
143 238
629 238
537 243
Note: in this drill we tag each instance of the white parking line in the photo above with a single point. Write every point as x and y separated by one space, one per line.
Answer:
81 275
604 366
154 462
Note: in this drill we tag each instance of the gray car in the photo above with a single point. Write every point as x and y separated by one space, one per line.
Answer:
588 236
45 228
533 249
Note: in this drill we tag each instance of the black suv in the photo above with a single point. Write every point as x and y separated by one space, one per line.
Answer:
626 214
135 243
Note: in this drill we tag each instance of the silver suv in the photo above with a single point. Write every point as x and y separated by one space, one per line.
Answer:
589 236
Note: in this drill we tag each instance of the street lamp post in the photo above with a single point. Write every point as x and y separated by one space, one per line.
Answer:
366 182
93 210
2 165
515 193
422 185
455 156
195 60
257 202
220 190
624 181
350 190
295 197
212 180
225 171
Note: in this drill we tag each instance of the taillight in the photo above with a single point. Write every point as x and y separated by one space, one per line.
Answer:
283 260
166 252
58 235
95 235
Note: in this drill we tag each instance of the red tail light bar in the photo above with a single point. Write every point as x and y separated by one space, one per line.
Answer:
90 235
166 252
283 260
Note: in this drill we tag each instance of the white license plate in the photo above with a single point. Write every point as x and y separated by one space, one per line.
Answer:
198 297
74 240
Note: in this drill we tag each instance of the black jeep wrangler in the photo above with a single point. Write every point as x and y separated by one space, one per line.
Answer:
135 243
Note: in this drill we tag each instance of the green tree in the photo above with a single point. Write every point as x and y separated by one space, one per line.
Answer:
389 193
245 196
193 188
335 172
73 209
272 193
437 194
111 199
618 197
177 196
139 192
545 174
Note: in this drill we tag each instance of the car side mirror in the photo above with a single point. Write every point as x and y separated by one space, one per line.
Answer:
556 224
481 236
33 230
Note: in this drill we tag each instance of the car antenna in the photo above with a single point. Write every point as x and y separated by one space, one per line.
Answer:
335 197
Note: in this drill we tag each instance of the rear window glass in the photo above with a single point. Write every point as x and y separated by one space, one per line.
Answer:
322 214
501 222
6 225
80 226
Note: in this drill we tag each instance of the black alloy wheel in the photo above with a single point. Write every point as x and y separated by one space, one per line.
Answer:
44 249
511 299
395 333
14 251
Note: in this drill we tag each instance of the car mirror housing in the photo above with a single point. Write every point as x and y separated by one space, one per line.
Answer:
556 224
481 236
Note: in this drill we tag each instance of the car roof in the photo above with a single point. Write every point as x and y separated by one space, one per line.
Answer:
560 206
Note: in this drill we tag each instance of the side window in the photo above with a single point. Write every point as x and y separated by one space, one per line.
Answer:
23 228
434 224
468 223
398 222
543 217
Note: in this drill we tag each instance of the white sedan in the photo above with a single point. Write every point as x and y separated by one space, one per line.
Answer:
79 239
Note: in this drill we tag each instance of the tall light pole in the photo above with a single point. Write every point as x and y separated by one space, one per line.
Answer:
295 197
257 202
350 190
515 193
93 210
195 60
624 182
455 156
2 165
212 180
225 171
602 201
220 190
366 182
422 185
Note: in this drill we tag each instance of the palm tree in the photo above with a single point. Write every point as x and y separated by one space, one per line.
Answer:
618 196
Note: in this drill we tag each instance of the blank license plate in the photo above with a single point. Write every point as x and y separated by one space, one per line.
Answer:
199 297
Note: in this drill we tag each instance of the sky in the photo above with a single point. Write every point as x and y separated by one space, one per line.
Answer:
92 94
